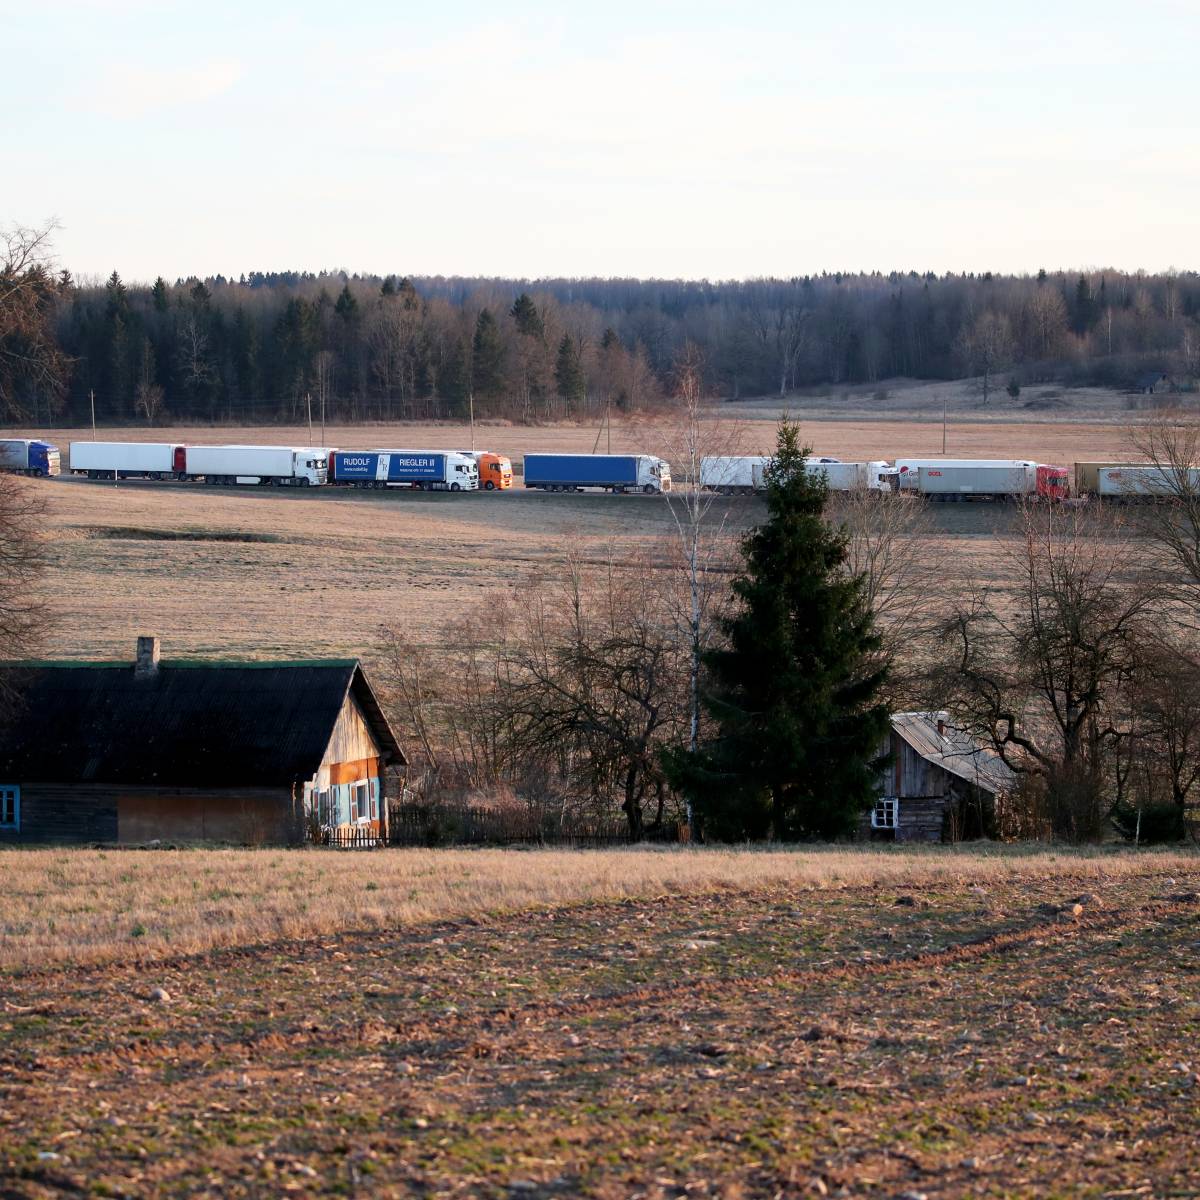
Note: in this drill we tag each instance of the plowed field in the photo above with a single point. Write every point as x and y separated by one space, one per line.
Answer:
1033 1034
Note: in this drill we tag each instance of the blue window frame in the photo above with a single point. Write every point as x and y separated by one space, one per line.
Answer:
10 806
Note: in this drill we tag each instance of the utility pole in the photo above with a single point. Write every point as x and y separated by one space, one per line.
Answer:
92 398
471 412
322 414
610 429
308 401
943 424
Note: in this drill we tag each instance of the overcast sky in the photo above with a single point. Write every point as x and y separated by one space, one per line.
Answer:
644 138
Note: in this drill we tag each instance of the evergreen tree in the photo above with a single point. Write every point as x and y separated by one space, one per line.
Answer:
568 371
408 294
118 378
793 695
1085 305
487 357
160 296
389 286
346 306
525 313
200 294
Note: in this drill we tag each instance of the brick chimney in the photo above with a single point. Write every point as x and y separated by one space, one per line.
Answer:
941 719
146 666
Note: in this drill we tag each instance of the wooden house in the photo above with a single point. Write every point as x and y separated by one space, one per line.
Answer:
244 752
940 785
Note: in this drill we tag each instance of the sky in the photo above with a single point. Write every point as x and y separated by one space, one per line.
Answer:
652 139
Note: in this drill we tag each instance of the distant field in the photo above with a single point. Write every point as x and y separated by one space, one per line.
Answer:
266 572
750 426
685 1023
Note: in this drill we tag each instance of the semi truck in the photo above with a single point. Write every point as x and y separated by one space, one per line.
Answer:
426 470
128 460
875 476
288 466
1009 481
742 474
495 470
612 472
28 456
907 468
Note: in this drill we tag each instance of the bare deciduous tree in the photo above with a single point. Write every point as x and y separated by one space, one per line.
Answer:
25 615
985 346
893 546
1043 678
32 366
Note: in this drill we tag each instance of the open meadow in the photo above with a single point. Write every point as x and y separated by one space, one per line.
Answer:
276 573
665 1024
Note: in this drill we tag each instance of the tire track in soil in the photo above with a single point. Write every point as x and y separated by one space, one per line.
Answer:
455 1035
356 939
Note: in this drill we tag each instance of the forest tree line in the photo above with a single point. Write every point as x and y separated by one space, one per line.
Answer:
265 347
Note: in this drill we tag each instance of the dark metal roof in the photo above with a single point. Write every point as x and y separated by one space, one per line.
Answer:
189 724
953 750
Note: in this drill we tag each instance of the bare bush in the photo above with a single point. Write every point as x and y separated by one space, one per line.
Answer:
1047 681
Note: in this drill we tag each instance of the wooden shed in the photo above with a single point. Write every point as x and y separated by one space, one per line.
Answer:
941 785
243 752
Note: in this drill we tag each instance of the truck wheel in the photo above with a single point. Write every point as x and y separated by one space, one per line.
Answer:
36 472
305 481
454 487
648 489
489 486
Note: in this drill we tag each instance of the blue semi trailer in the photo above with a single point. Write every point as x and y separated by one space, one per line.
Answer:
429 470
612 472
28 456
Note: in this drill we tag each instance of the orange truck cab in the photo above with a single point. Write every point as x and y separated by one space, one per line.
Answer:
495 470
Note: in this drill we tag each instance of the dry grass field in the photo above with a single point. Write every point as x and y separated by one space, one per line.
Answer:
654 1024
270 573
82 906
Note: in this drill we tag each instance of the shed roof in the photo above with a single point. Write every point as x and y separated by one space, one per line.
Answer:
187 724
953 750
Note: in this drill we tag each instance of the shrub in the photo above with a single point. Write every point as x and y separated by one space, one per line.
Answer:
1160 823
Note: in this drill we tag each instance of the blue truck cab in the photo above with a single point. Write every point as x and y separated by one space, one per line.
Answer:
29 456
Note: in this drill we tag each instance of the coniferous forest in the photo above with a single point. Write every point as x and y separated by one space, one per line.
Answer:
266 346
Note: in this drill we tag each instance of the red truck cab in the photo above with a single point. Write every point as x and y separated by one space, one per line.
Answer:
1053 483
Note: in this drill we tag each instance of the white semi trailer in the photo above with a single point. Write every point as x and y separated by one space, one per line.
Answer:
1147 482
907 468
292 466
733 475
127 460
743 474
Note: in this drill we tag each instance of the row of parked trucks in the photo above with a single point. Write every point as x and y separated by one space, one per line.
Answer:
292 466
942 479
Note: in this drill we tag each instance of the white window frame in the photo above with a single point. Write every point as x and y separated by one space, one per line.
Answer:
360 798
886 813
10 803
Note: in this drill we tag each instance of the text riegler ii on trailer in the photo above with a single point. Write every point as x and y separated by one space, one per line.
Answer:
427 470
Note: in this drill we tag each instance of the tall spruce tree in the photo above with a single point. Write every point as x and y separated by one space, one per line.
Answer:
568 371
794 694
487 357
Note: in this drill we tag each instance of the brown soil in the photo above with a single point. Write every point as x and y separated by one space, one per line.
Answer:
983 1040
